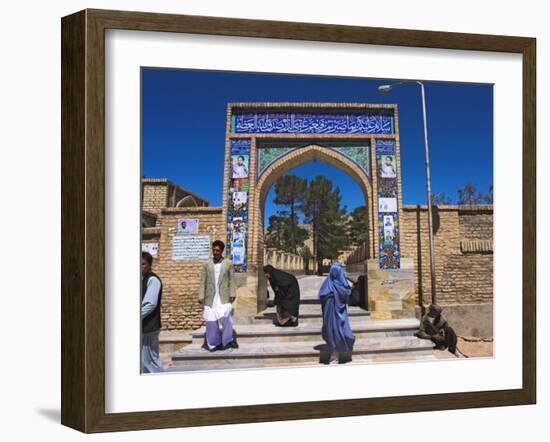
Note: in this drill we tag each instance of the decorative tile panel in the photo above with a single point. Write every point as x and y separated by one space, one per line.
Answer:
268 155
237 207
358 154
352 122
389 249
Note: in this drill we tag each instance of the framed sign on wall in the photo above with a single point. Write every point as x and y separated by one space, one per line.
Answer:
311 102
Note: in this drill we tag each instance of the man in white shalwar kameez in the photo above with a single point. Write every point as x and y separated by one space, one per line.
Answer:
216 294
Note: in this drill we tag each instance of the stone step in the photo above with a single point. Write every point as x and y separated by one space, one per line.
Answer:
250 355
389 305
232 364
309 311
314 301
361 326
172 340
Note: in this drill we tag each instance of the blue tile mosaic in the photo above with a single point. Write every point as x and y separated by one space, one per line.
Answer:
268 155
358 154
352 122
237 207
389 249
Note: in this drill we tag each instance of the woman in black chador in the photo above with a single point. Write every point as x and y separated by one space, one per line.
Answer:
287 296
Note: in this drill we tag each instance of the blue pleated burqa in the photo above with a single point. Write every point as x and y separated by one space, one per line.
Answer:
334 295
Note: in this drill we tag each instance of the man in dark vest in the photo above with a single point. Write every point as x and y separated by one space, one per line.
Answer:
151 294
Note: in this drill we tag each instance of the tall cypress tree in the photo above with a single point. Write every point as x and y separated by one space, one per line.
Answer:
322 209
289 192
358 225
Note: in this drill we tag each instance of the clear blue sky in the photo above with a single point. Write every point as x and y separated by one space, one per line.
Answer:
184 112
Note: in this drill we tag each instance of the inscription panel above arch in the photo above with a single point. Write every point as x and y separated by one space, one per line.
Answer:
364 121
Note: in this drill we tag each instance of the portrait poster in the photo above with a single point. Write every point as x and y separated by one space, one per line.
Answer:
239 200
240 185
240 166
189 226
387 167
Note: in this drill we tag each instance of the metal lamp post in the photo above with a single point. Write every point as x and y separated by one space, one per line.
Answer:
383 90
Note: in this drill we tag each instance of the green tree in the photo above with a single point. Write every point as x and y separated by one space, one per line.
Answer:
290 191
305 253
358 225
276 230
284 234
321 207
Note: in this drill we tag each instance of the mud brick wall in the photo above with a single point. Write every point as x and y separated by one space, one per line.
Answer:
463 252
463 247
476 223
180 278
148 219
154 194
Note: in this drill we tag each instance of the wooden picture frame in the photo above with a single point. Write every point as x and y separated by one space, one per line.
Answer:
83 220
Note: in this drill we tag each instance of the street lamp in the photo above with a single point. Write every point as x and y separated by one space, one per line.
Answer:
383 89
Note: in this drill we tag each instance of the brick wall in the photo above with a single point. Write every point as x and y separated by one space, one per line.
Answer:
464 275
180 278
148 219
154 195
159 193
476 223
150 235
463 249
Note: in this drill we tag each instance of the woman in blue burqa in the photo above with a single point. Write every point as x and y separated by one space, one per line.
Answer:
334 295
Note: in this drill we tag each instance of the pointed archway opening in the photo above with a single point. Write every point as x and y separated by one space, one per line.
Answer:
283 165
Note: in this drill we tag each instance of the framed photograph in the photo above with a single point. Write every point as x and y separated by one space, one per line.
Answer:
267 221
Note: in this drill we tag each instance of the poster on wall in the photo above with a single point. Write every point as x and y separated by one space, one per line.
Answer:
386 166
237 255
239 166
240 185
151 248
237 237
387 204
190 247
238 198
389 228
389 248
190 226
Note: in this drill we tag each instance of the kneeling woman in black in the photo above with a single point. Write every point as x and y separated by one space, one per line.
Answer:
287 296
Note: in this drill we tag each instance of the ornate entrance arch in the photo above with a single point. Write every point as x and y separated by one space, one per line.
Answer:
265 140
303 155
